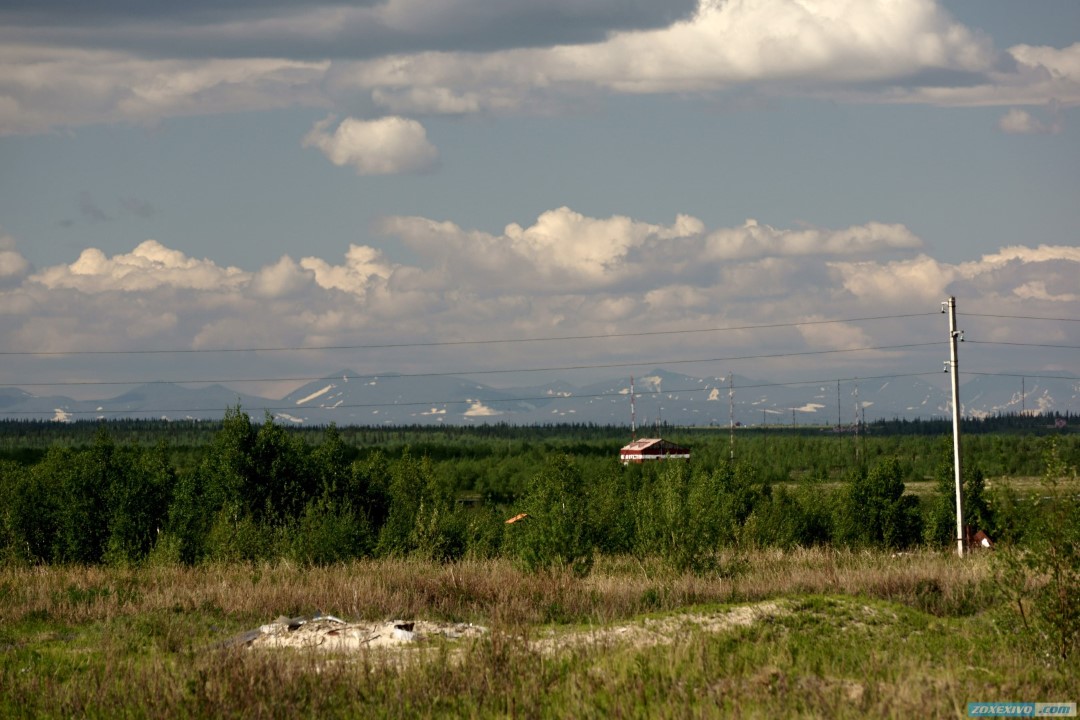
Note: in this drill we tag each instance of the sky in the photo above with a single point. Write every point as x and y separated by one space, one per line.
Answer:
675 181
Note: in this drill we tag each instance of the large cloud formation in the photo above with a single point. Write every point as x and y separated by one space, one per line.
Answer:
565 274
63 64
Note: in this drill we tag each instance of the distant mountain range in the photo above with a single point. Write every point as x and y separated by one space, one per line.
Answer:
660 396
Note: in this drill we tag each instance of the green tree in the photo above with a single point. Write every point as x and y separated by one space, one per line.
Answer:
227 471
190 515
138 501
611 511
282 481
557 531
29 513
875 511
940 527
421 517
84 479
685 515
791 519
1042 577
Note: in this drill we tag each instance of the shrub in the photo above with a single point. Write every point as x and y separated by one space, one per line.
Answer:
940 526
876 512
329 532
557 531
1042 577
789 520
421 517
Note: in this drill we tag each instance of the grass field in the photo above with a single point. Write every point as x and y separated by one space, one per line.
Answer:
808 633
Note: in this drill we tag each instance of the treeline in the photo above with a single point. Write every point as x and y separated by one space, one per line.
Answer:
496 460
261 491
43 434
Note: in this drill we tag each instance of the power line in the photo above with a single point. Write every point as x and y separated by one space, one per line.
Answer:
449 343
1022 375
497 371
1023 344
1018 317
859 378
433 403
550 398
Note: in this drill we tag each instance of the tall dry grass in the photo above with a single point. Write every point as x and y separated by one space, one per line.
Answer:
113 642
488 591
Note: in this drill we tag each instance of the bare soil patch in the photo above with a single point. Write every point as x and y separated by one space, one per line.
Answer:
665 630
336 635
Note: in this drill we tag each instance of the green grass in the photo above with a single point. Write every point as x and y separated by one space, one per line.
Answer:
852 635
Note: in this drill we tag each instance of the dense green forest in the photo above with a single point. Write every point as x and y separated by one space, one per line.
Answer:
138 491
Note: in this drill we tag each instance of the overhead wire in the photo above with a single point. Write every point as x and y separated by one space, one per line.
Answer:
450 343
1032 376
468 372
1023 344
554 398
1016 317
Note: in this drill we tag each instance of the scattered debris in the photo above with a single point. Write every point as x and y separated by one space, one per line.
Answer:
327 632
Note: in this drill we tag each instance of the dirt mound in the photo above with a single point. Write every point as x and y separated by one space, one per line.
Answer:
663 630
334 634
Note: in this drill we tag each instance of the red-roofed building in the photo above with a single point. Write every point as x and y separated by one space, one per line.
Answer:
653 449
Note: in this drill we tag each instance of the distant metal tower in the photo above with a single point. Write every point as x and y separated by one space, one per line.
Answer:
633 412
858 419
731 411
839 420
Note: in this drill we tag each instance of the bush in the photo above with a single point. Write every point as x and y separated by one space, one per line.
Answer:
940 526
329 532
557 531
29 514
685 515
421 517
789 520
1042 578
876 512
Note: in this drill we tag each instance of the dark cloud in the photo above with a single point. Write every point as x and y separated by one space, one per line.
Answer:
137 207
105 12
274 28
90 209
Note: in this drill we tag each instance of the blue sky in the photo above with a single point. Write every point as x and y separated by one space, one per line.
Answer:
331 173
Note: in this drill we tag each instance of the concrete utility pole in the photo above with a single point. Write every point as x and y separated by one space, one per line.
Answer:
953 366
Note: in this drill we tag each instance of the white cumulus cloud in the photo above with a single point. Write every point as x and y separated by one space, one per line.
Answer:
467 62
44 87
12 262
563 274
362 265
769 43
755 240
565 250
386 146
284 278
150 265
1021 122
